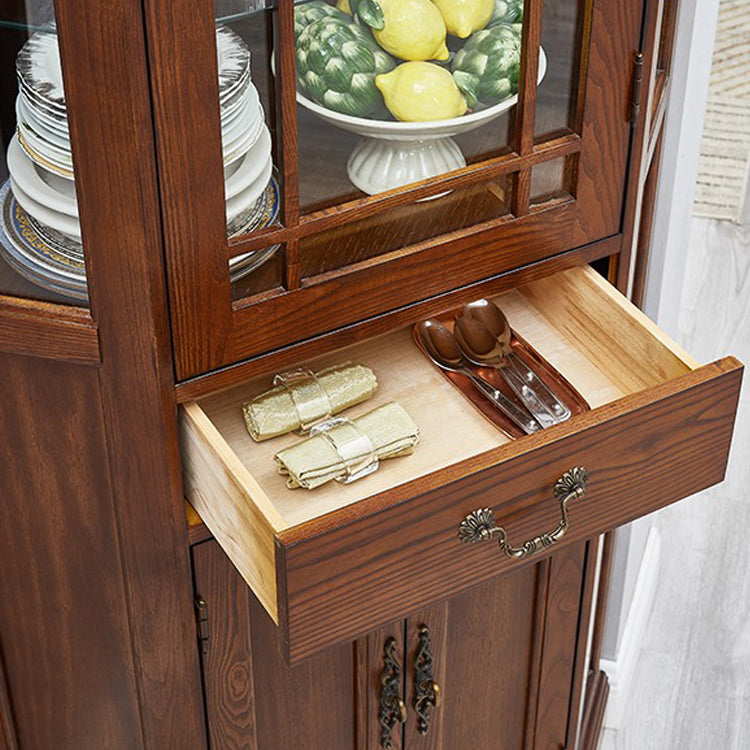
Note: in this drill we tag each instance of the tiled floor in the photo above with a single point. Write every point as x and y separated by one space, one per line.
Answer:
692 684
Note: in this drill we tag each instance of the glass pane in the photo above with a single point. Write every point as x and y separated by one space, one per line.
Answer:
556 94
404 225
244 36
257 272
551 179
424 95
41 255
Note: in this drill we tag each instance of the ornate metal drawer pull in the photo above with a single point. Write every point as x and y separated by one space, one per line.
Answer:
392 707
426 690
480 525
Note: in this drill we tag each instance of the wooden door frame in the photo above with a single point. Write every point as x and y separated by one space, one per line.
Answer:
210 331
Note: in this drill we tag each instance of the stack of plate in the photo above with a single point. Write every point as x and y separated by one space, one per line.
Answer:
40 232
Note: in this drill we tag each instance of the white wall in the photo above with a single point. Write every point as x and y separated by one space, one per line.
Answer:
684 126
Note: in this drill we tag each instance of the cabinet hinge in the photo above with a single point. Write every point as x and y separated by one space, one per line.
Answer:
635 90
201 616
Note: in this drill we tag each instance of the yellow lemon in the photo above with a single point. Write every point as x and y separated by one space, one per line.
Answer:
343 6
413 30
464 17
420 92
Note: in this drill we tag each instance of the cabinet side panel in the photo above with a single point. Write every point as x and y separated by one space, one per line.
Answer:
63 623
103 49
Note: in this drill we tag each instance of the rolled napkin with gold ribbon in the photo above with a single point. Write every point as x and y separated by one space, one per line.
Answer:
302 398
348 449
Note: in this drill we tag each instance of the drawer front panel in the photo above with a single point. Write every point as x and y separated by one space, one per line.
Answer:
346 573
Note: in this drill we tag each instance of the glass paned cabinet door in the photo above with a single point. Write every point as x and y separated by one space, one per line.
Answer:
41 252
327 161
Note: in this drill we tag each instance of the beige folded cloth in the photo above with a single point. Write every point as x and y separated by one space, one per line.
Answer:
315 461
275 412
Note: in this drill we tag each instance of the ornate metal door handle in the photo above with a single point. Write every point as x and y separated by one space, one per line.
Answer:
426 690
480 525
392 708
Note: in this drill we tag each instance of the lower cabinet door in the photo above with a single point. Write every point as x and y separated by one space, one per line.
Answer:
500 667
253 699
496 668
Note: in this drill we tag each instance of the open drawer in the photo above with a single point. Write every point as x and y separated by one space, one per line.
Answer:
335 562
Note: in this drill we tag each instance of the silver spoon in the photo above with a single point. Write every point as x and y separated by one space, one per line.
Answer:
443 350
493 317
481 348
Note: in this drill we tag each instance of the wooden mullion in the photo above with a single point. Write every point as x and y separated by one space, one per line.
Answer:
526 108
292 268
583 47
565 145
521 202
286 65
527 78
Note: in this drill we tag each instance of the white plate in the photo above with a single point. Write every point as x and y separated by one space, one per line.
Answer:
27 118
51 164
251 165
67 225
39 70
233 59
26 175
57 121
244 120
48 150
244 142
243 200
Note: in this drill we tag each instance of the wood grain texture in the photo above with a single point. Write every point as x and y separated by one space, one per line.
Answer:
638 158
227 658
102 48
231 502
615 38
641 450
182 47
211 332
567 319
560 645
358 292
64 628
583 637
311 705
284 357
593 715
41 329
488 662
8 737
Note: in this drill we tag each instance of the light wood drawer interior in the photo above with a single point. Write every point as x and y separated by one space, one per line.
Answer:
601 343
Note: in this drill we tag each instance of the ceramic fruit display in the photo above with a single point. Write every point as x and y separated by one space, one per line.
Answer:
407 75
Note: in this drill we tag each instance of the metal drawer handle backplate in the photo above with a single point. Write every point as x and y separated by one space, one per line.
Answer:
426 690
480 525
392 708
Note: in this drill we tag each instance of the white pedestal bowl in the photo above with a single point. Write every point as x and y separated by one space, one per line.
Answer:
392 154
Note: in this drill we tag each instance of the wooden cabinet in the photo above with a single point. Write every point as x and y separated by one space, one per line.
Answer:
302 600
499 656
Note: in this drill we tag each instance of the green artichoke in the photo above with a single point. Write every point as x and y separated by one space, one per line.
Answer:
306 13
337 62
486 67
506 13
